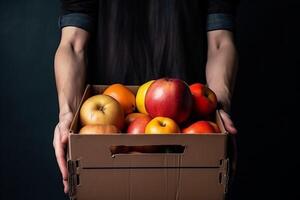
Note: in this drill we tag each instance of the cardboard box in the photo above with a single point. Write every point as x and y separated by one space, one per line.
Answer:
196 168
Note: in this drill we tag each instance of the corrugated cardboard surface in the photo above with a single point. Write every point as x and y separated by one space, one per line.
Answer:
96 172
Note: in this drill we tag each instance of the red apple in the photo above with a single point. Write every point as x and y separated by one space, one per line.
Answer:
216 127
138 125
200 127
170 98
205 100
131 117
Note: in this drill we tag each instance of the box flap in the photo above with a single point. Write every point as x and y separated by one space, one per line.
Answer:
149 184
199 150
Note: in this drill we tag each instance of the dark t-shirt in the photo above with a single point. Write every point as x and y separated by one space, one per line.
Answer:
134 41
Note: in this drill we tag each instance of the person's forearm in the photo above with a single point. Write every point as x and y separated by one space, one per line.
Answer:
70 77
221 71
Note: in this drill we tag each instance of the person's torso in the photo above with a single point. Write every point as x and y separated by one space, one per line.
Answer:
137 41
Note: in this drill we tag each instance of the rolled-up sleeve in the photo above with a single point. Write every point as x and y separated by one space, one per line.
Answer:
78 13
221 15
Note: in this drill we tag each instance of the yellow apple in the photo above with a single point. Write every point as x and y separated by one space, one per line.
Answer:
140 97
102 109
162 125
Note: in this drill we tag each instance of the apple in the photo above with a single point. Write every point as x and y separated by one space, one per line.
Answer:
201 127
138 125
131 117
162 125
205 100
98 129
170 98
140 97
102 109
216 127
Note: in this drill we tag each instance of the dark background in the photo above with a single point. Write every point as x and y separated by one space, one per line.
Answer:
266 97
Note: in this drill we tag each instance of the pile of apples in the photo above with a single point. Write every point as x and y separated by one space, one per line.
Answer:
162 106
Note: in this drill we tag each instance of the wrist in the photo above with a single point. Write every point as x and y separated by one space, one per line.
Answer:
223 97
67 106
66 113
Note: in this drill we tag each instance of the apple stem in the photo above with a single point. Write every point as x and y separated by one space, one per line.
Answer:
100 108
162 124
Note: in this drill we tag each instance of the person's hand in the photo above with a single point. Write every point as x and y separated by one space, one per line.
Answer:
228 123
232 150
60 142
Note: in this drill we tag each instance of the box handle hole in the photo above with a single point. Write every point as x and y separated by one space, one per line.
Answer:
149 149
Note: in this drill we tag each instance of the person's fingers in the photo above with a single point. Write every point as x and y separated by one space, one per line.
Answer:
66 186
62 163
61 160
232 151
60 141
229 125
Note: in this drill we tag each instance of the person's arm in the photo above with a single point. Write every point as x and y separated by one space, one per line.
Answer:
221 65
77 21
221 70
70 70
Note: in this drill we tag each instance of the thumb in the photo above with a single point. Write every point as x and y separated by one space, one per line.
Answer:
228 123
